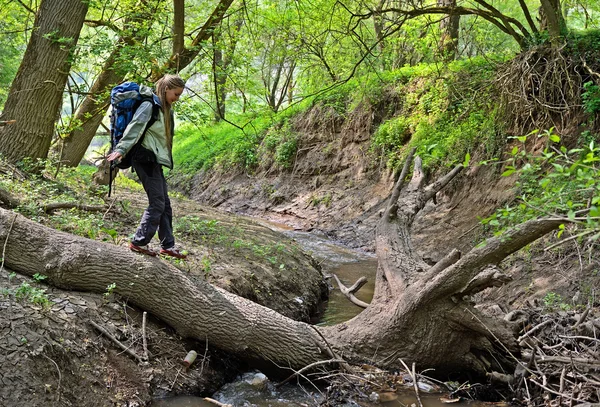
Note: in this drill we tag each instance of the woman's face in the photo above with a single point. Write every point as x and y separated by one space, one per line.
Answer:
172 95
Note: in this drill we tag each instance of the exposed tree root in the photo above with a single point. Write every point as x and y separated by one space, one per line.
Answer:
542 88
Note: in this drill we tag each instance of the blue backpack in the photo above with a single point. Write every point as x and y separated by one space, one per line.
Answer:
124 100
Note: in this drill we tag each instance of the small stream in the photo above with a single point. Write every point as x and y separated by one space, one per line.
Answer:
253 389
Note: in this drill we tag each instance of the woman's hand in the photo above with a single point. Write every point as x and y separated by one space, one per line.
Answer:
115 155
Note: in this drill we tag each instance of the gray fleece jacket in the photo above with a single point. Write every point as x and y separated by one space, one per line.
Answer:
155 139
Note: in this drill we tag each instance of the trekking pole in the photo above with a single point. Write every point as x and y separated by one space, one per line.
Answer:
110 171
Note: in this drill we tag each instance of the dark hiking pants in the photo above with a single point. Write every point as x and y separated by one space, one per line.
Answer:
158 215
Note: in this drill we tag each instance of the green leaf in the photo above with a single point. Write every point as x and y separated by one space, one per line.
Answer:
561 228
509 171
555 138
467 160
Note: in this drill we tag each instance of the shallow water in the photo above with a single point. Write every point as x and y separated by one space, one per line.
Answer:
339 308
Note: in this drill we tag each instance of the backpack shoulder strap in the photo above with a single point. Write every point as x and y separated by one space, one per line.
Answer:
153 117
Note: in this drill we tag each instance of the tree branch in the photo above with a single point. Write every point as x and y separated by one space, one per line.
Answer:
187 55
349 292
393 202
438 185
492 251
500 20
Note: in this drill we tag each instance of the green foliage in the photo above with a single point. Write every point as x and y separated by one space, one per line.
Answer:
13 20
591 97
231 238
558 182
391 136
445 113
280 144
555 302
34 295
109 290
324 199
206 266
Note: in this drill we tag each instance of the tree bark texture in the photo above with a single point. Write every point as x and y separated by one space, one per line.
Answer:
93 108
552 19
193 307
178 28
36 94
449 27
418 313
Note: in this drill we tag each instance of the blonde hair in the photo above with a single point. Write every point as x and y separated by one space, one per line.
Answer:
165 83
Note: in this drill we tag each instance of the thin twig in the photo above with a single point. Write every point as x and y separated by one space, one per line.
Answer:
109 208
204 357
218 403
413 376
175 379
416 383
586 338
535 328
331 353
555 392
583 317
299 372
144 315
348 291
59 377
115 340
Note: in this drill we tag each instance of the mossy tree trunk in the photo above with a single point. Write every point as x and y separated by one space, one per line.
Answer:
36 94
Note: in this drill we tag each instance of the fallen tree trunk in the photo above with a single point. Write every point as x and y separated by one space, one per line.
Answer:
417 315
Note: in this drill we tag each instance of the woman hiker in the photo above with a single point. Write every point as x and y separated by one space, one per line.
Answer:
149 158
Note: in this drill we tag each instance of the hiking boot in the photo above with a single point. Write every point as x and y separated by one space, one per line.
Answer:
142 249
173 252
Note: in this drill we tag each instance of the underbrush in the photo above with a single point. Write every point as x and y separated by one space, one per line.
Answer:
65 200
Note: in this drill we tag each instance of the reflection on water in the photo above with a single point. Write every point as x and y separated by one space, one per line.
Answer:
243 393
339 308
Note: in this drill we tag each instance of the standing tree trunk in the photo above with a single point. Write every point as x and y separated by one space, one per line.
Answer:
90 113
92 110
219 79
552 20
378 25
188 54
178 29
449 26
418 313
222 57
36 94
